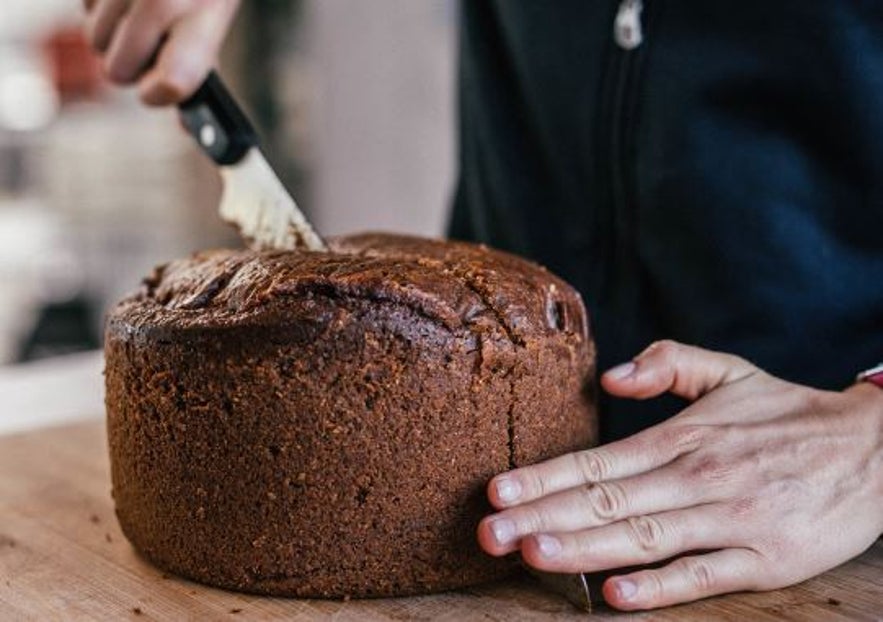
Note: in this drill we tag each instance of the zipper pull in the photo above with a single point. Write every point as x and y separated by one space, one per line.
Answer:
627 25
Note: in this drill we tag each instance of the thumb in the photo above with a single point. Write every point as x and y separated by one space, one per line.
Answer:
669 366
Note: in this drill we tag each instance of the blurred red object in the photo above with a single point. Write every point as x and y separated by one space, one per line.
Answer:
76 70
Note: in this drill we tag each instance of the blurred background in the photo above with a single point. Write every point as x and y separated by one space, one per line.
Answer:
353 99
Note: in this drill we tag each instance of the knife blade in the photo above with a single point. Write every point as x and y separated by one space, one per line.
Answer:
573 587
254 199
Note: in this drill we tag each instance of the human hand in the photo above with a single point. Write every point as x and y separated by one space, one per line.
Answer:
167 47
757 485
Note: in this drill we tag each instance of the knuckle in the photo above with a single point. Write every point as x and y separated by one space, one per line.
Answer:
116 71
686 438
532 519
647 533
743 507
738 362
653 588
711 469
532 482
664 348
592 464
606 500
699 573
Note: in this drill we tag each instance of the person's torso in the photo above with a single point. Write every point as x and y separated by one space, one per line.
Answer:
720 184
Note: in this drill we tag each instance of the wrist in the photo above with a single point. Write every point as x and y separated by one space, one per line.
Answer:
870 395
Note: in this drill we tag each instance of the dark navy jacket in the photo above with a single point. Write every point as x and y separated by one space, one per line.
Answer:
721 184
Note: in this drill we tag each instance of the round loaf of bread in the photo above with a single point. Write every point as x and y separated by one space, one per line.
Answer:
324 424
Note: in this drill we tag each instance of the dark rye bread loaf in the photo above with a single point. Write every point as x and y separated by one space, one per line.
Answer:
324 424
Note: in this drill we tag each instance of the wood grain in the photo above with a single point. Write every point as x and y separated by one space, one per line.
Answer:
62 557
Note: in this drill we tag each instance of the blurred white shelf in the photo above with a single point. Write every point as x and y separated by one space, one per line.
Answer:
51 392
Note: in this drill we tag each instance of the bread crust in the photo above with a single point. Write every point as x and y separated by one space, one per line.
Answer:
323 424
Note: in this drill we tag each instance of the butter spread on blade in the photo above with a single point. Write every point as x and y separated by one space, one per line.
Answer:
259 205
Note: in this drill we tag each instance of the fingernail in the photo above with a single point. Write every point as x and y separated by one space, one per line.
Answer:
508 490
503 530
549 546
620 372
626 589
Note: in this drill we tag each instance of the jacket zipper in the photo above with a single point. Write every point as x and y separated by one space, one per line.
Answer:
616 132
627 31
628 35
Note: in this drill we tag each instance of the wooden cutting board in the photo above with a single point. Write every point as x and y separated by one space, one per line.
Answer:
62 557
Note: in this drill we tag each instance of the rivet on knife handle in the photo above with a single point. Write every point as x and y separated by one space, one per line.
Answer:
217 123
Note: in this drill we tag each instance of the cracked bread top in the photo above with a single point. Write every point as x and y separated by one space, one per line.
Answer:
456 285
323 424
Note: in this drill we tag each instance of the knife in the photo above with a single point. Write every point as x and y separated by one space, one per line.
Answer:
573 587
253 199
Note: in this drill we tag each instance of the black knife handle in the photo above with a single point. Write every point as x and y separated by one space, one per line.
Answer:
217 122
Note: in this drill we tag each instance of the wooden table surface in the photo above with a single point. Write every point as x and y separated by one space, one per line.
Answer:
62 557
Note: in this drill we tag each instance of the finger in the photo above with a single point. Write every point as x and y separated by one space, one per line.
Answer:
638 540
590 506
88 4
137 38
101 23
686 579
646 450
187 57
669 366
